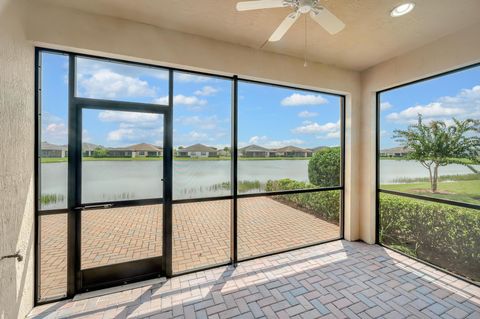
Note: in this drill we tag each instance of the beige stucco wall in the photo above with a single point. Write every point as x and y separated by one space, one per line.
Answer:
16 162
448 53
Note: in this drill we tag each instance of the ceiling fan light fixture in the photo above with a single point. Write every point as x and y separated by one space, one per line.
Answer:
402 9
319 14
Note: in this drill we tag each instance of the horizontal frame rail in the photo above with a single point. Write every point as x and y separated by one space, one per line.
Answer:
100 104
126 203
431 199
290 192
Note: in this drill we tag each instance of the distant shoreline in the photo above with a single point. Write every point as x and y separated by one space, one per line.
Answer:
65 159
221 158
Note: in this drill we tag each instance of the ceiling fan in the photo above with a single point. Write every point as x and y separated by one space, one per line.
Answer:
317 12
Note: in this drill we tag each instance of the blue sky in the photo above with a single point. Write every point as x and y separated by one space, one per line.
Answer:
442 98
269 116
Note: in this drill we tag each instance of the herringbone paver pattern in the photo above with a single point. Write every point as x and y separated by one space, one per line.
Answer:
53 252
266 226
336 280
201 235
111 236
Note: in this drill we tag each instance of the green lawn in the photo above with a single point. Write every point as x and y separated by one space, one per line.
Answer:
467 191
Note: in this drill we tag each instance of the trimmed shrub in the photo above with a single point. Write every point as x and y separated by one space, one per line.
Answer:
324 167
324 205
444 235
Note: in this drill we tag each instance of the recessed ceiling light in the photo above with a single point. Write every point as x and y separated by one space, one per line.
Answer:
402 9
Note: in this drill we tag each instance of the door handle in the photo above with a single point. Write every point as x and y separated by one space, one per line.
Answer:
16 255
94 206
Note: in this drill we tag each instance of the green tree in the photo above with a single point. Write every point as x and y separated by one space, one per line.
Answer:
324 167
438 144
100 152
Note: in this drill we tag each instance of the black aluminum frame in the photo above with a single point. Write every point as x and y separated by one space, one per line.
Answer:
76 104
140 269
379 190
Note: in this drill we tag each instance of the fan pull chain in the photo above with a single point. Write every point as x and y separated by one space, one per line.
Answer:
305 64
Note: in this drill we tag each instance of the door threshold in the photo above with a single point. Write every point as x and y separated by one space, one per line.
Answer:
116 289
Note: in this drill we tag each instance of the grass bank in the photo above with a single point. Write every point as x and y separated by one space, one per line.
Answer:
461 190
463 161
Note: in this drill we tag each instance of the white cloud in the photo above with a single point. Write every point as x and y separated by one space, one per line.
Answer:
206 123
120 134
133 127
128 117
269 143
385 106
217 137
54 129
86 136
466 104
328 130
163 100
313 128
330 135
182 100
188 77
305 114
432 110
188 100
257 139
197 136
206 91
304 99
107 84
86 66
135 134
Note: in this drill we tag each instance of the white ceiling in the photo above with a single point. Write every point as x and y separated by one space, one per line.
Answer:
370 37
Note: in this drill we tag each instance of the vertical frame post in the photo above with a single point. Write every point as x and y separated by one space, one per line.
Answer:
168 181
37 171
342 167
72 254
377 167
234 151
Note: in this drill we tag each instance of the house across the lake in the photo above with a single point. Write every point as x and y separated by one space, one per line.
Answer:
255 151
53 150
197 150
136 150
293 151
399 151
88 148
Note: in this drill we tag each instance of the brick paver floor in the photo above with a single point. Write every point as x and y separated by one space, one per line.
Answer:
339 279
201 235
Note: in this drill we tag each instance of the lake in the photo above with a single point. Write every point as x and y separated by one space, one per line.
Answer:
121 180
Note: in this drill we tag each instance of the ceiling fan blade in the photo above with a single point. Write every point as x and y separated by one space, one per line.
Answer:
327 20
259 4
284 26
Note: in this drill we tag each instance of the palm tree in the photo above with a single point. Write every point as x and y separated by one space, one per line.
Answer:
437 144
